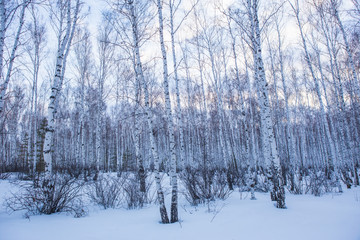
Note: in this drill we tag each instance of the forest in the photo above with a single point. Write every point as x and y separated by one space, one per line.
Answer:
138 102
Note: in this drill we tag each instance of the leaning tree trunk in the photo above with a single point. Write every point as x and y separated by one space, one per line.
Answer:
269 144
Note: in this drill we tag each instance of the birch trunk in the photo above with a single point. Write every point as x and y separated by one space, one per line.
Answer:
237 75
178 106
64 44
351 64
227 127
332 161
335 73
253 161
269 144
218 100
335 12
33 123
98 130
140 79
139 159
190 119
4 85
2 35
206 155
35 128
173 174
288 134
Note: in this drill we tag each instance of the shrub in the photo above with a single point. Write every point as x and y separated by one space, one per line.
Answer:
295 182
134 197
5 175
107 191
318 183
205 184
47 196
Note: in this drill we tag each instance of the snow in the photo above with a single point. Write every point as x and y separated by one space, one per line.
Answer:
330 217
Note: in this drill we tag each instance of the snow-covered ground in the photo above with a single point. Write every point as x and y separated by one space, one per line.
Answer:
330 217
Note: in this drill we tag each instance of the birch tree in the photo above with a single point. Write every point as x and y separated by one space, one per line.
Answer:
173 29
288 134
37 35
268 139
334 8
106 52
169 118
134 12
64 43
6 16
332 160
83 51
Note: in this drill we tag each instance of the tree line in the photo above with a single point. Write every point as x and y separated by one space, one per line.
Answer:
266 92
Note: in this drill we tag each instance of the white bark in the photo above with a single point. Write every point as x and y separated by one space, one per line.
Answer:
219 105
37 39
99 128
140 79
2 32
291 143
83 55
237 75
270 150
254 153
223 117
4 84
178 106
351 64
271 156
332 161
206 155
190 120
173 174
64 44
